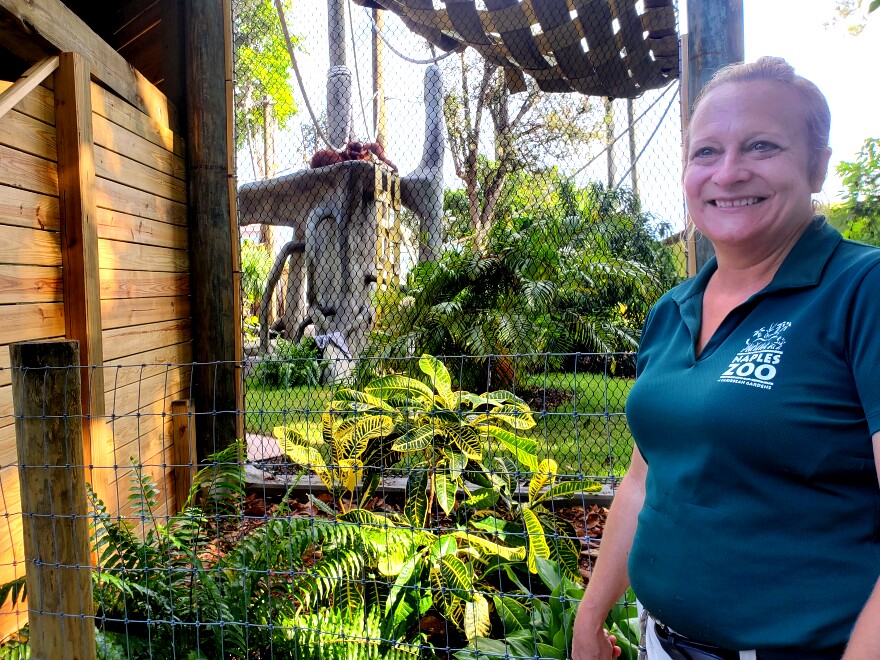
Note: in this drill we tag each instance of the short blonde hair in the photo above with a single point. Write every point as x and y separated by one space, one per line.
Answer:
775 69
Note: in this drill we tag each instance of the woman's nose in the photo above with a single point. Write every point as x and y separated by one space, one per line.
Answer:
731 168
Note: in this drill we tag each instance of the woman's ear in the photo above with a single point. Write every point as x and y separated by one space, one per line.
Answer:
820 170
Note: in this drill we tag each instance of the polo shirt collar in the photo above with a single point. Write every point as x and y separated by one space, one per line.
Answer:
801 268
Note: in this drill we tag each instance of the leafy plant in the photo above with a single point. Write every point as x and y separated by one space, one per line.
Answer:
538 626
579 274
442 434
858 217
291 365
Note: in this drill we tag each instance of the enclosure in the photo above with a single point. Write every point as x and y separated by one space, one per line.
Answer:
261 221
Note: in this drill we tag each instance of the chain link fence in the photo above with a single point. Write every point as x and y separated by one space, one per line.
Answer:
446 265
401 196
327 549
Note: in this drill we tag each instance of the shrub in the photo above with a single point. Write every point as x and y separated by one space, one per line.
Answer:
291 365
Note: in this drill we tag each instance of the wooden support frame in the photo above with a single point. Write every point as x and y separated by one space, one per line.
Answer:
11 96
57 28
47 396
79 235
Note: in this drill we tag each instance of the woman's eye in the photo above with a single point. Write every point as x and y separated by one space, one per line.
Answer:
702 152
763 146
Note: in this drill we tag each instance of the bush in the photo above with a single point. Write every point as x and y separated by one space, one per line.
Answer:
291 365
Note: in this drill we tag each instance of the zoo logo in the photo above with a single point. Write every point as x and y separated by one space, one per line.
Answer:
755 365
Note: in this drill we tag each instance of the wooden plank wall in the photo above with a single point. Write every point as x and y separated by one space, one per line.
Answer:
31 305
145 308
140 192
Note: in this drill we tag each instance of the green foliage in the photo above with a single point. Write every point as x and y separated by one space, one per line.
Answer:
441 434
290 365
858 217
256 263
261 64
578 275
542 626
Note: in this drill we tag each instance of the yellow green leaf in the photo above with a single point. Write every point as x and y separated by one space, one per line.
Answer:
476 618
537 541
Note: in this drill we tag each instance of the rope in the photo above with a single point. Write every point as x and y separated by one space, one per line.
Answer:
648 141
378 30
611 144
299 80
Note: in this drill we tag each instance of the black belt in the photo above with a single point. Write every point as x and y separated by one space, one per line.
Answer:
679 647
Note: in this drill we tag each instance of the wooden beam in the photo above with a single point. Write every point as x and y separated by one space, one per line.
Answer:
214 315
11 96
185 459
716 36
53 497
54 23
79 234
232 187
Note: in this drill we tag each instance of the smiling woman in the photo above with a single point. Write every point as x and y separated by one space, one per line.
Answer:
767 358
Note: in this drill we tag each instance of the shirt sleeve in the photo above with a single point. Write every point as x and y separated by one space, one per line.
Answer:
864 345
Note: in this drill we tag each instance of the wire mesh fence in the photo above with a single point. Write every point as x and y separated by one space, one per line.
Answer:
394 515
402 195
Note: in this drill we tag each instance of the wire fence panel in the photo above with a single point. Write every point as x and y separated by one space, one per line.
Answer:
399 516
401 195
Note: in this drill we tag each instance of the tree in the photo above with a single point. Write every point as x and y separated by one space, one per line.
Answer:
528 132
577 274
263 97
858 217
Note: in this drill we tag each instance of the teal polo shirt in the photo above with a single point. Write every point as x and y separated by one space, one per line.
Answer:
761 522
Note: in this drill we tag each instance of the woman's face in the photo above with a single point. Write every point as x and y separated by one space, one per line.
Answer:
746 176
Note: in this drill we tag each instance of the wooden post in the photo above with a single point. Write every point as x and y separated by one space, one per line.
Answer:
46 396
213 254
715 38
234 229
185 459
79 242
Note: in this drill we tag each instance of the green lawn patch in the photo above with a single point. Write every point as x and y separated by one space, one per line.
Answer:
581 423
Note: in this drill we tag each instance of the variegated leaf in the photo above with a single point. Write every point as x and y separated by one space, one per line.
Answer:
476 618
456 577
439 377
416 498
490 547
445 487
537 539
523 449
415 440
400 386
565 489
467 440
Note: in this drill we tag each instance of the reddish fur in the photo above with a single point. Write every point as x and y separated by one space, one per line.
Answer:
352 151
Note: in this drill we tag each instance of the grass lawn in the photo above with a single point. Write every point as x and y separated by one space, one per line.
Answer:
580 421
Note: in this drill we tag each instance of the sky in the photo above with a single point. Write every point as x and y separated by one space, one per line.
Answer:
843 66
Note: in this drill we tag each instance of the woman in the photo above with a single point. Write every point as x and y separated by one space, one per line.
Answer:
749 520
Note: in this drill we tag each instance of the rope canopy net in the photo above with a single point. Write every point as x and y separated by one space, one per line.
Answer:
613 48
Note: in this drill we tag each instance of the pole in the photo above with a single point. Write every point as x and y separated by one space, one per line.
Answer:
379 116
213 244
47 398
715 38
631 129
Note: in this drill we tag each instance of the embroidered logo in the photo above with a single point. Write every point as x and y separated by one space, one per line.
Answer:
755 365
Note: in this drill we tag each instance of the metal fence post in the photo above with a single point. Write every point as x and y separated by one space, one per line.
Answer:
48 430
